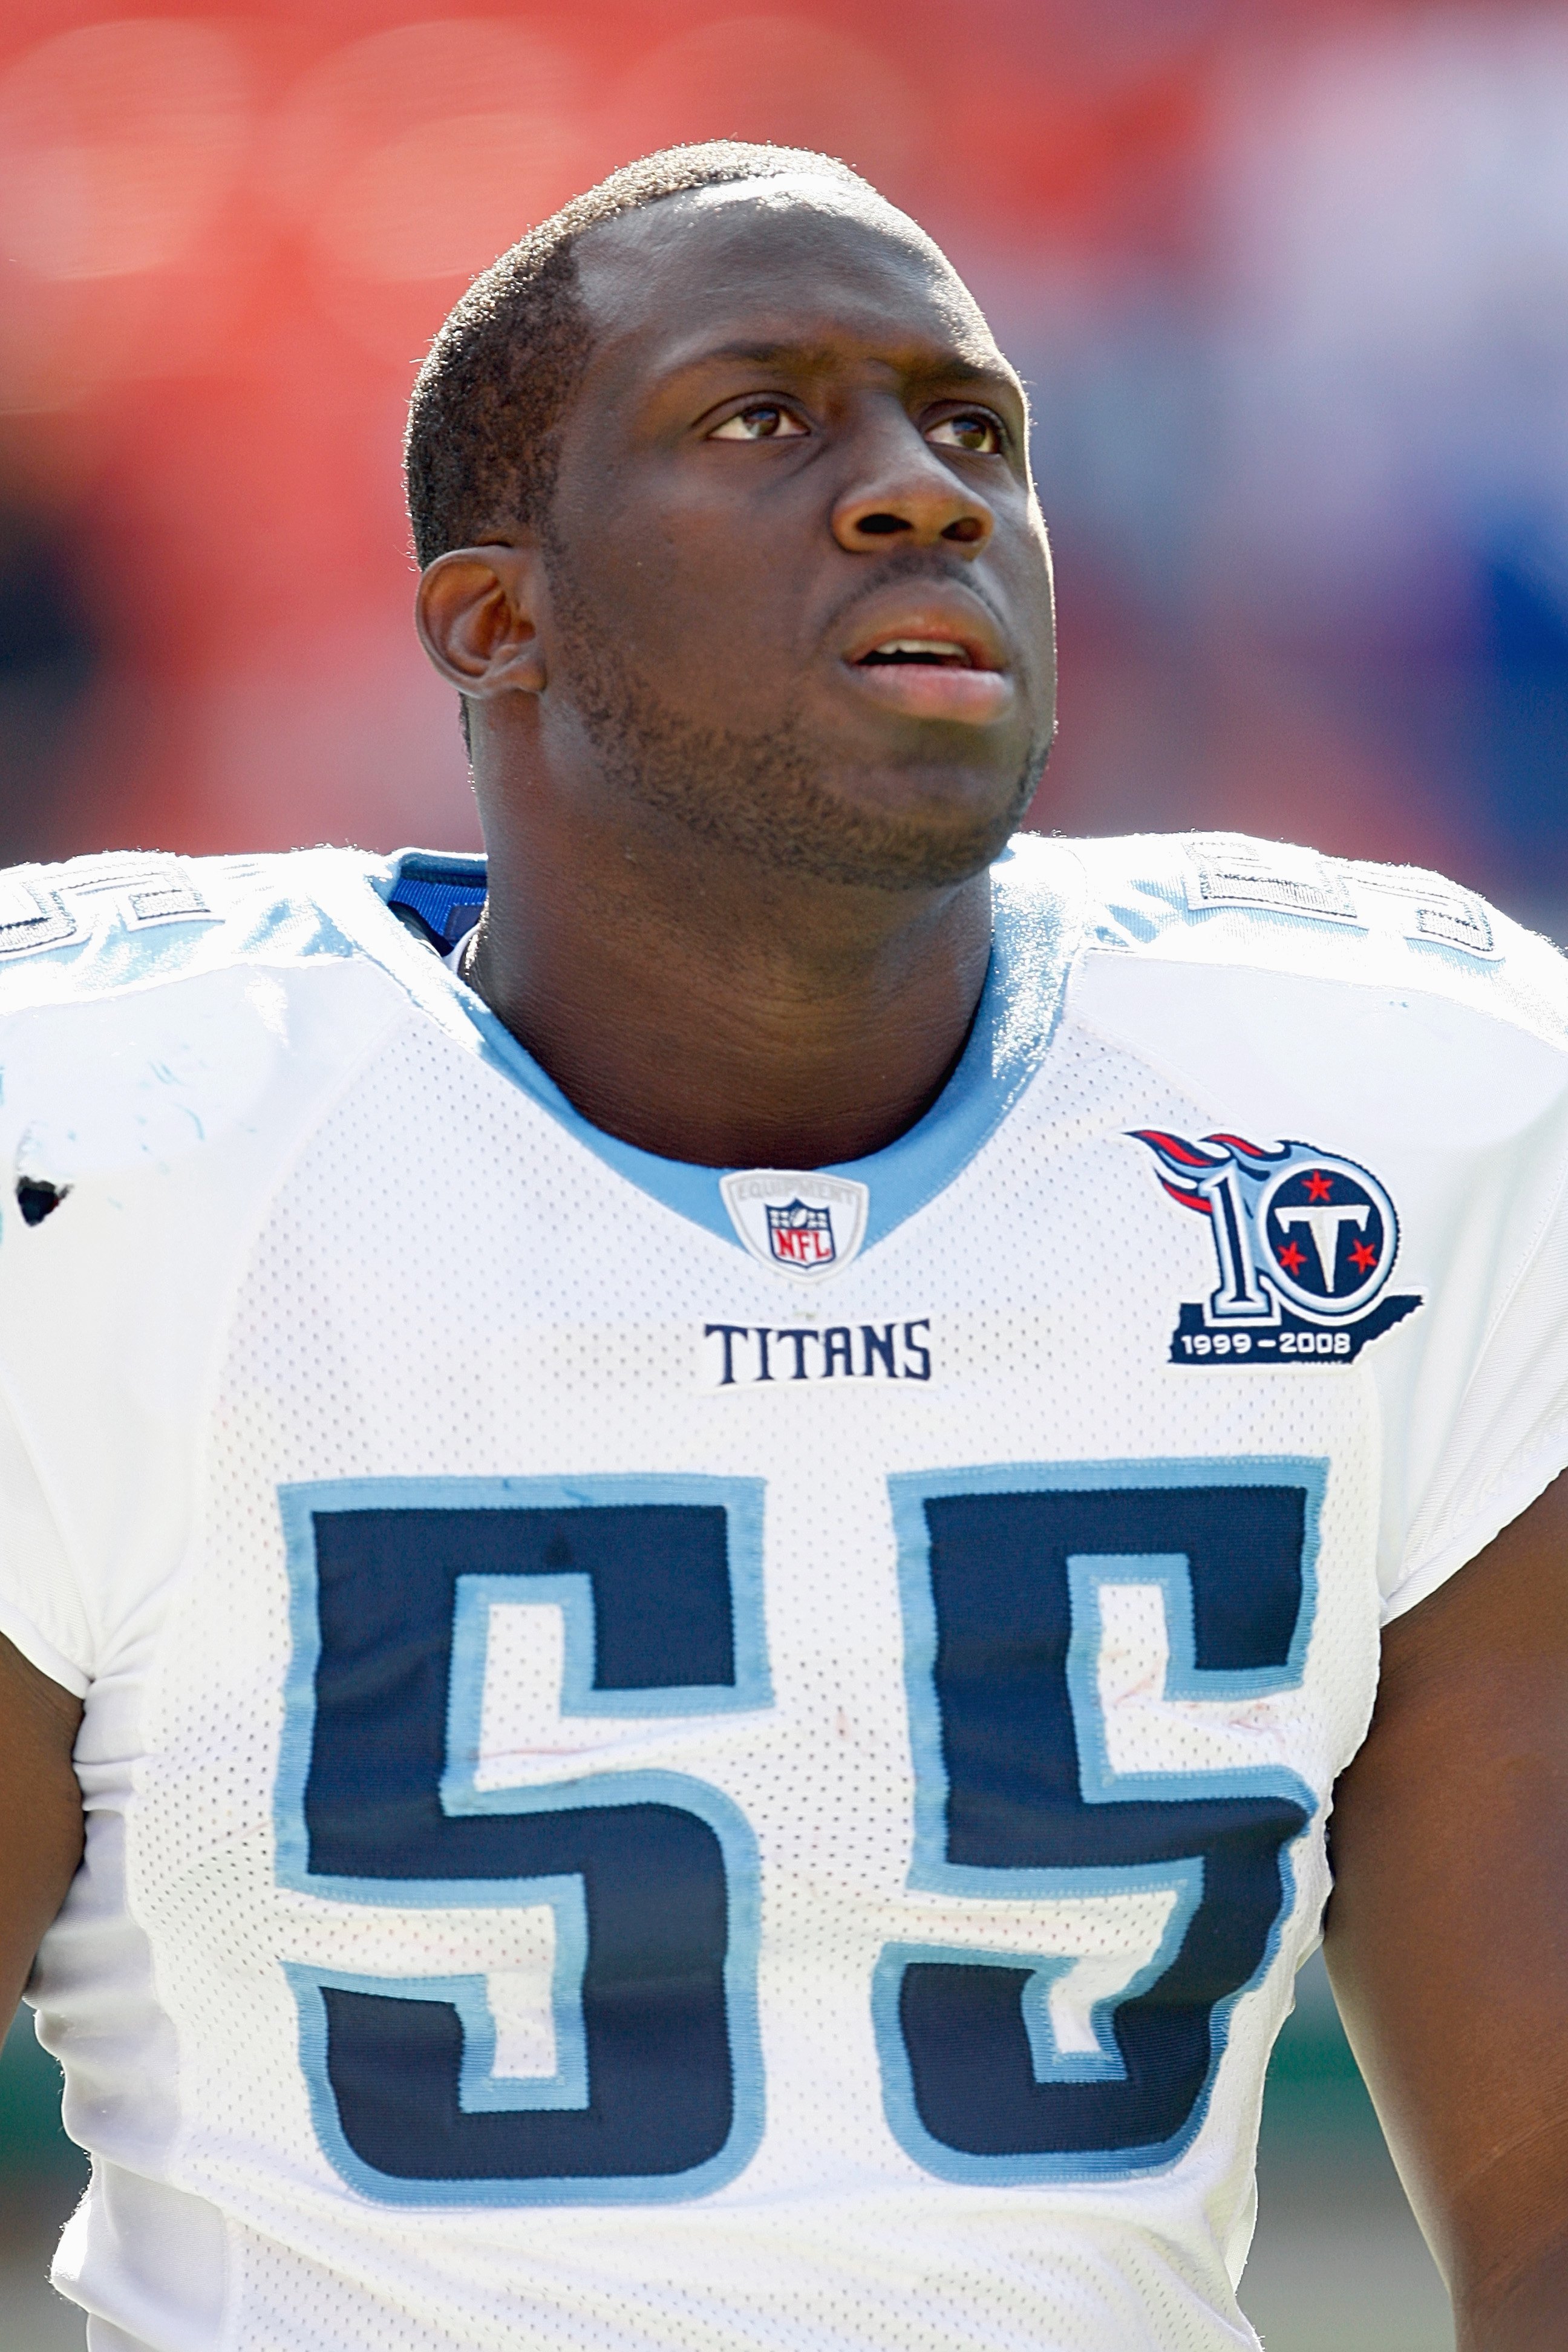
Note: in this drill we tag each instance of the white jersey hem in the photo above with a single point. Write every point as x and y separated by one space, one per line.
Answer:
1506 1502
24 1635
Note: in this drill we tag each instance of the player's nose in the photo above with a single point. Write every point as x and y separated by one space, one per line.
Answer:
904 494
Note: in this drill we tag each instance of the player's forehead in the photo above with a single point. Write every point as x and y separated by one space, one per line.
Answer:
799 267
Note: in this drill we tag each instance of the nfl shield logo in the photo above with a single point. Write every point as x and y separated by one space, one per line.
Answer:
800 1236
797 1221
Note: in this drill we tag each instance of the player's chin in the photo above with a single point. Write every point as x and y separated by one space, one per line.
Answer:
923 823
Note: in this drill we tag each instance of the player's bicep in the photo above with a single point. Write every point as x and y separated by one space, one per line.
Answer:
40 1812
1447 1931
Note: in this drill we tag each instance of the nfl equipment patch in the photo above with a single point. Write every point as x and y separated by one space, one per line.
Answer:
798 1222
1305 1244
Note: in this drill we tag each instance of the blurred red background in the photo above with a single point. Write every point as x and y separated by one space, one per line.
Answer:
1288 280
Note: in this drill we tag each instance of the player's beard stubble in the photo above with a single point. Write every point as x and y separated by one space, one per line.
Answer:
763 796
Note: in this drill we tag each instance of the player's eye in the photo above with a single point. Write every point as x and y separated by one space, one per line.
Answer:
975 432
764 420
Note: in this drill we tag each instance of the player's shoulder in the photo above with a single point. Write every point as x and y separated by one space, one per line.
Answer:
1310 995
1211 917
104 929
143 997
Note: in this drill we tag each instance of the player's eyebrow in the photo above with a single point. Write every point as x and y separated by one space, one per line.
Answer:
947 367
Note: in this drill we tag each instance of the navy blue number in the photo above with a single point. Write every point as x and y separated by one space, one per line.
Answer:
1015 1797
392 1607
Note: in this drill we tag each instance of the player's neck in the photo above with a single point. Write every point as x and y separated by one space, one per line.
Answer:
713 1012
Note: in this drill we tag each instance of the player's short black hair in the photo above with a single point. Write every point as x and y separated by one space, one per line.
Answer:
484 421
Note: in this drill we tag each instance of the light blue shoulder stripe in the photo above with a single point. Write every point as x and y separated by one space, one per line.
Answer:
1036 919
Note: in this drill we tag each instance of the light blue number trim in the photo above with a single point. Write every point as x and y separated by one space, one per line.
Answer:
1171 1573
930 1871
481 2090
1103 2065
910 1490
571 1591
739 1845
1051 2065
476 2094
1184 1880
743 1499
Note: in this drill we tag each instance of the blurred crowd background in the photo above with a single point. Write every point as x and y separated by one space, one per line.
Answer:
1289 279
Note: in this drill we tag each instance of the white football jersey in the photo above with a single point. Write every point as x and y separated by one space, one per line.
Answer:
683 1760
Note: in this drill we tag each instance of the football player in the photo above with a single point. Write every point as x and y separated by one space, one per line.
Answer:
705 1547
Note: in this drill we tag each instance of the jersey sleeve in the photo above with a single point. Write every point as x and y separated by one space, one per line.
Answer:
42 1609
1483 1425
169 1030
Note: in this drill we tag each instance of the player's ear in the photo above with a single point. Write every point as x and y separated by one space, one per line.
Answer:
477 613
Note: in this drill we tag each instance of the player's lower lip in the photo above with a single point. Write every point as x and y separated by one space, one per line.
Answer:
974 697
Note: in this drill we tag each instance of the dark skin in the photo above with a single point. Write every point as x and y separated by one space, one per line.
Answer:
762 943
782 968
41 1827
1445 1939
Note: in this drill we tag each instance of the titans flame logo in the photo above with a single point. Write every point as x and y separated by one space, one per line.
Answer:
1304 1243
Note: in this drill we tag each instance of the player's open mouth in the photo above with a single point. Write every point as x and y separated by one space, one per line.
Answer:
919 649
933 666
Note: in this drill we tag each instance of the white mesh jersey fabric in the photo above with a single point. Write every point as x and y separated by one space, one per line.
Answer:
420 1292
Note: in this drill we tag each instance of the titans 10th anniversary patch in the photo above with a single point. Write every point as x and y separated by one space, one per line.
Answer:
1305 1244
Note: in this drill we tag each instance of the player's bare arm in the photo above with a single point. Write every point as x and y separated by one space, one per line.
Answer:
1448 1933
41 1813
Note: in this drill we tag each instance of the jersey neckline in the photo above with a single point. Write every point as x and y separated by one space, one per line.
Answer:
1037 892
